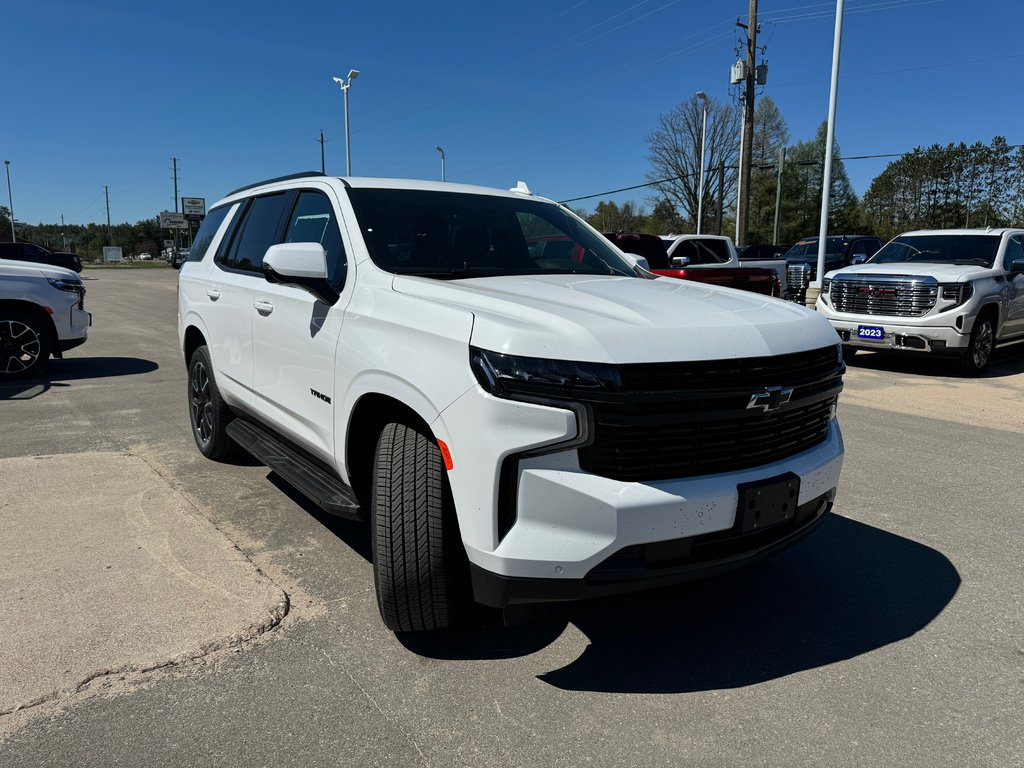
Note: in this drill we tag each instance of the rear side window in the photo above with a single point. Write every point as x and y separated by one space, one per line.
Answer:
207 231
313 220
258 231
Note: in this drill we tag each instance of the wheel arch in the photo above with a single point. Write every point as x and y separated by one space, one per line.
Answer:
992 310
369 416
194 339
36 311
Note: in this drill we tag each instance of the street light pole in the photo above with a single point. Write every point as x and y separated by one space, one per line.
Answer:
10 198
703 133
826 183
345 85
441 150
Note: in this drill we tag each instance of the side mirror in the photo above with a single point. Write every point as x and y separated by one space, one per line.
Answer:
1017 267
303 265
637 261
680 261
860 258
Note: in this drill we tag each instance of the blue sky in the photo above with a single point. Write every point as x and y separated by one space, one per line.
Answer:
560 94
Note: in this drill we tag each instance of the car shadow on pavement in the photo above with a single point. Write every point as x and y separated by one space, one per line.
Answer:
848 589
1006 361
58 372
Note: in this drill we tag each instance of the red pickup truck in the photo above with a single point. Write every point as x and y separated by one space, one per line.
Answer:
701 258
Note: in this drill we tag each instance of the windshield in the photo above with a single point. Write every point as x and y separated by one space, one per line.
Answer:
834 246
452 235
978 250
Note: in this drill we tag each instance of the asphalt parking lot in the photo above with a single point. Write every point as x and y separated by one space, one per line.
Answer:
893 636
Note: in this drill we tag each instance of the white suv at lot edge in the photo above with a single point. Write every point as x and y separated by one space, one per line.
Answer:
955 292
42 313
518 426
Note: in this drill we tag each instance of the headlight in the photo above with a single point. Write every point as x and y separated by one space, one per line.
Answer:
513 376
65 284
826 284
958 293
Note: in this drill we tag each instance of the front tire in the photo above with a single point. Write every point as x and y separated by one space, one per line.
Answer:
418 559
24 345
207 411
976 357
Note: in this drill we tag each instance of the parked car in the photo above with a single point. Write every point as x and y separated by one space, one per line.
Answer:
145 257
520 413
763 252
728 273
42 313
39 254
840 251
956 292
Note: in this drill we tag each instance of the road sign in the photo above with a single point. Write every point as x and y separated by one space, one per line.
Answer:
172 220
193 206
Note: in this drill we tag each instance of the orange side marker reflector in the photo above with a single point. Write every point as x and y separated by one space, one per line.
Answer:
49 310
446 455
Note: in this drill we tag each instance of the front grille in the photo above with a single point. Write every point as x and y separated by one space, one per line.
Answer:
676 420
884 295
798 276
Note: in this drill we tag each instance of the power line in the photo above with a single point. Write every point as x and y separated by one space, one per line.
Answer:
764 166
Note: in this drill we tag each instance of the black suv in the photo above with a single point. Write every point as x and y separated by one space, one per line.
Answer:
39 255
840 251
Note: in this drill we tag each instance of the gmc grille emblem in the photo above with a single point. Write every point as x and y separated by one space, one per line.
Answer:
771 399
876 291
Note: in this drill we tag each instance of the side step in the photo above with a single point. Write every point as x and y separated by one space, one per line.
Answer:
320 487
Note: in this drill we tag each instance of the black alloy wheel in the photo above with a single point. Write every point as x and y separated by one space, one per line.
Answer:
24 345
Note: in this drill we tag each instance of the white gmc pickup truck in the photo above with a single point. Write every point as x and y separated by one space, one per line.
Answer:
955 292
518 424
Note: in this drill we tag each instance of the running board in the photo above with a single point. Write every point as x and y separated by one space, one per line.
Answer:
324 490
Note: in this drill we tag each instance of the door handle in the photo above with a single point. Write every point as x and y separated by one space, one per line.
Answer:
213 293
263 307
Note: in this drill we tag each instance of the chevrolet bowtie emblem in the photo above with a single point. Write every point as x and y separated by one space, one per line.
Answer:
771 399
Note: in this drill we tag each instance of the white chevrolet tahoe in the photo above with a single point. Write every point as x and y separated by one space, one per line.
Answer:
42 313
955 292
517 426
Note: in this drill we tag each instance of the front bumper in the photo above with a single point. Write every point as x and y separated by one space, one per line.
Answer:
650 566
568 524
901 333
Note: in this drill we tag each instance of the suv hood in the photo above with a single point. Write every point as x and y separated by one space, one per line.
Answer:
623 319
11 268
944 273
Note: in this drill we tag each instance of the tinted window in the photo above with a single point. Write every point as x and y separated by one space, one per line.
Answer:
206 233
258 232
1014 250
450 235
806 248
313 221
860 248
978 250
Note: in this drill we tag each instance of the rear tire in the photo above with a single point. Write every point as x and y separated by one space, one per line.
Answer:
418 560
207 411
24 344
976 357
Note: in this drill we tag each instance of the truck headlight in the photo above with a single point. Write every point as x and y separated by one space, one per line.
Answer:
514 377
826 283
65 284
958 293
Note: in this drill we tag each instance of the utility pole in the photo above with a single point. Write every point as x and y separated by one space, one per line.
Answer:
10 199
778 195
177 243
747 144
106 192
323 167
721 196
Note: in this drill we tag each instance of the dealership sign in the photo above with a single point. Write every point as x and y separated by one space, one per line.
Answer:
193 206
172 220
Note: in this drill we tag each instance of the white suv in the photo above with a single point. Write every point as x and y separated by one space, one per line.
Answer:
520 424
955 292
42 313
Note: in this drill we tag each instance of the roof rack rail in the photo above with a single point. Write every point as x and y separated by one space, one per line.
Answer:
276 179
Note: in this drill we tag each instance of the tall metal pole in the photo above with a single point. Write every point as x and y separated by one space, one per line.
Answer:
747 146
348 146
778 195
174 160
323 167
826 183
721 197
10 199
345 85
106 192
739 180
441 150
703 135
